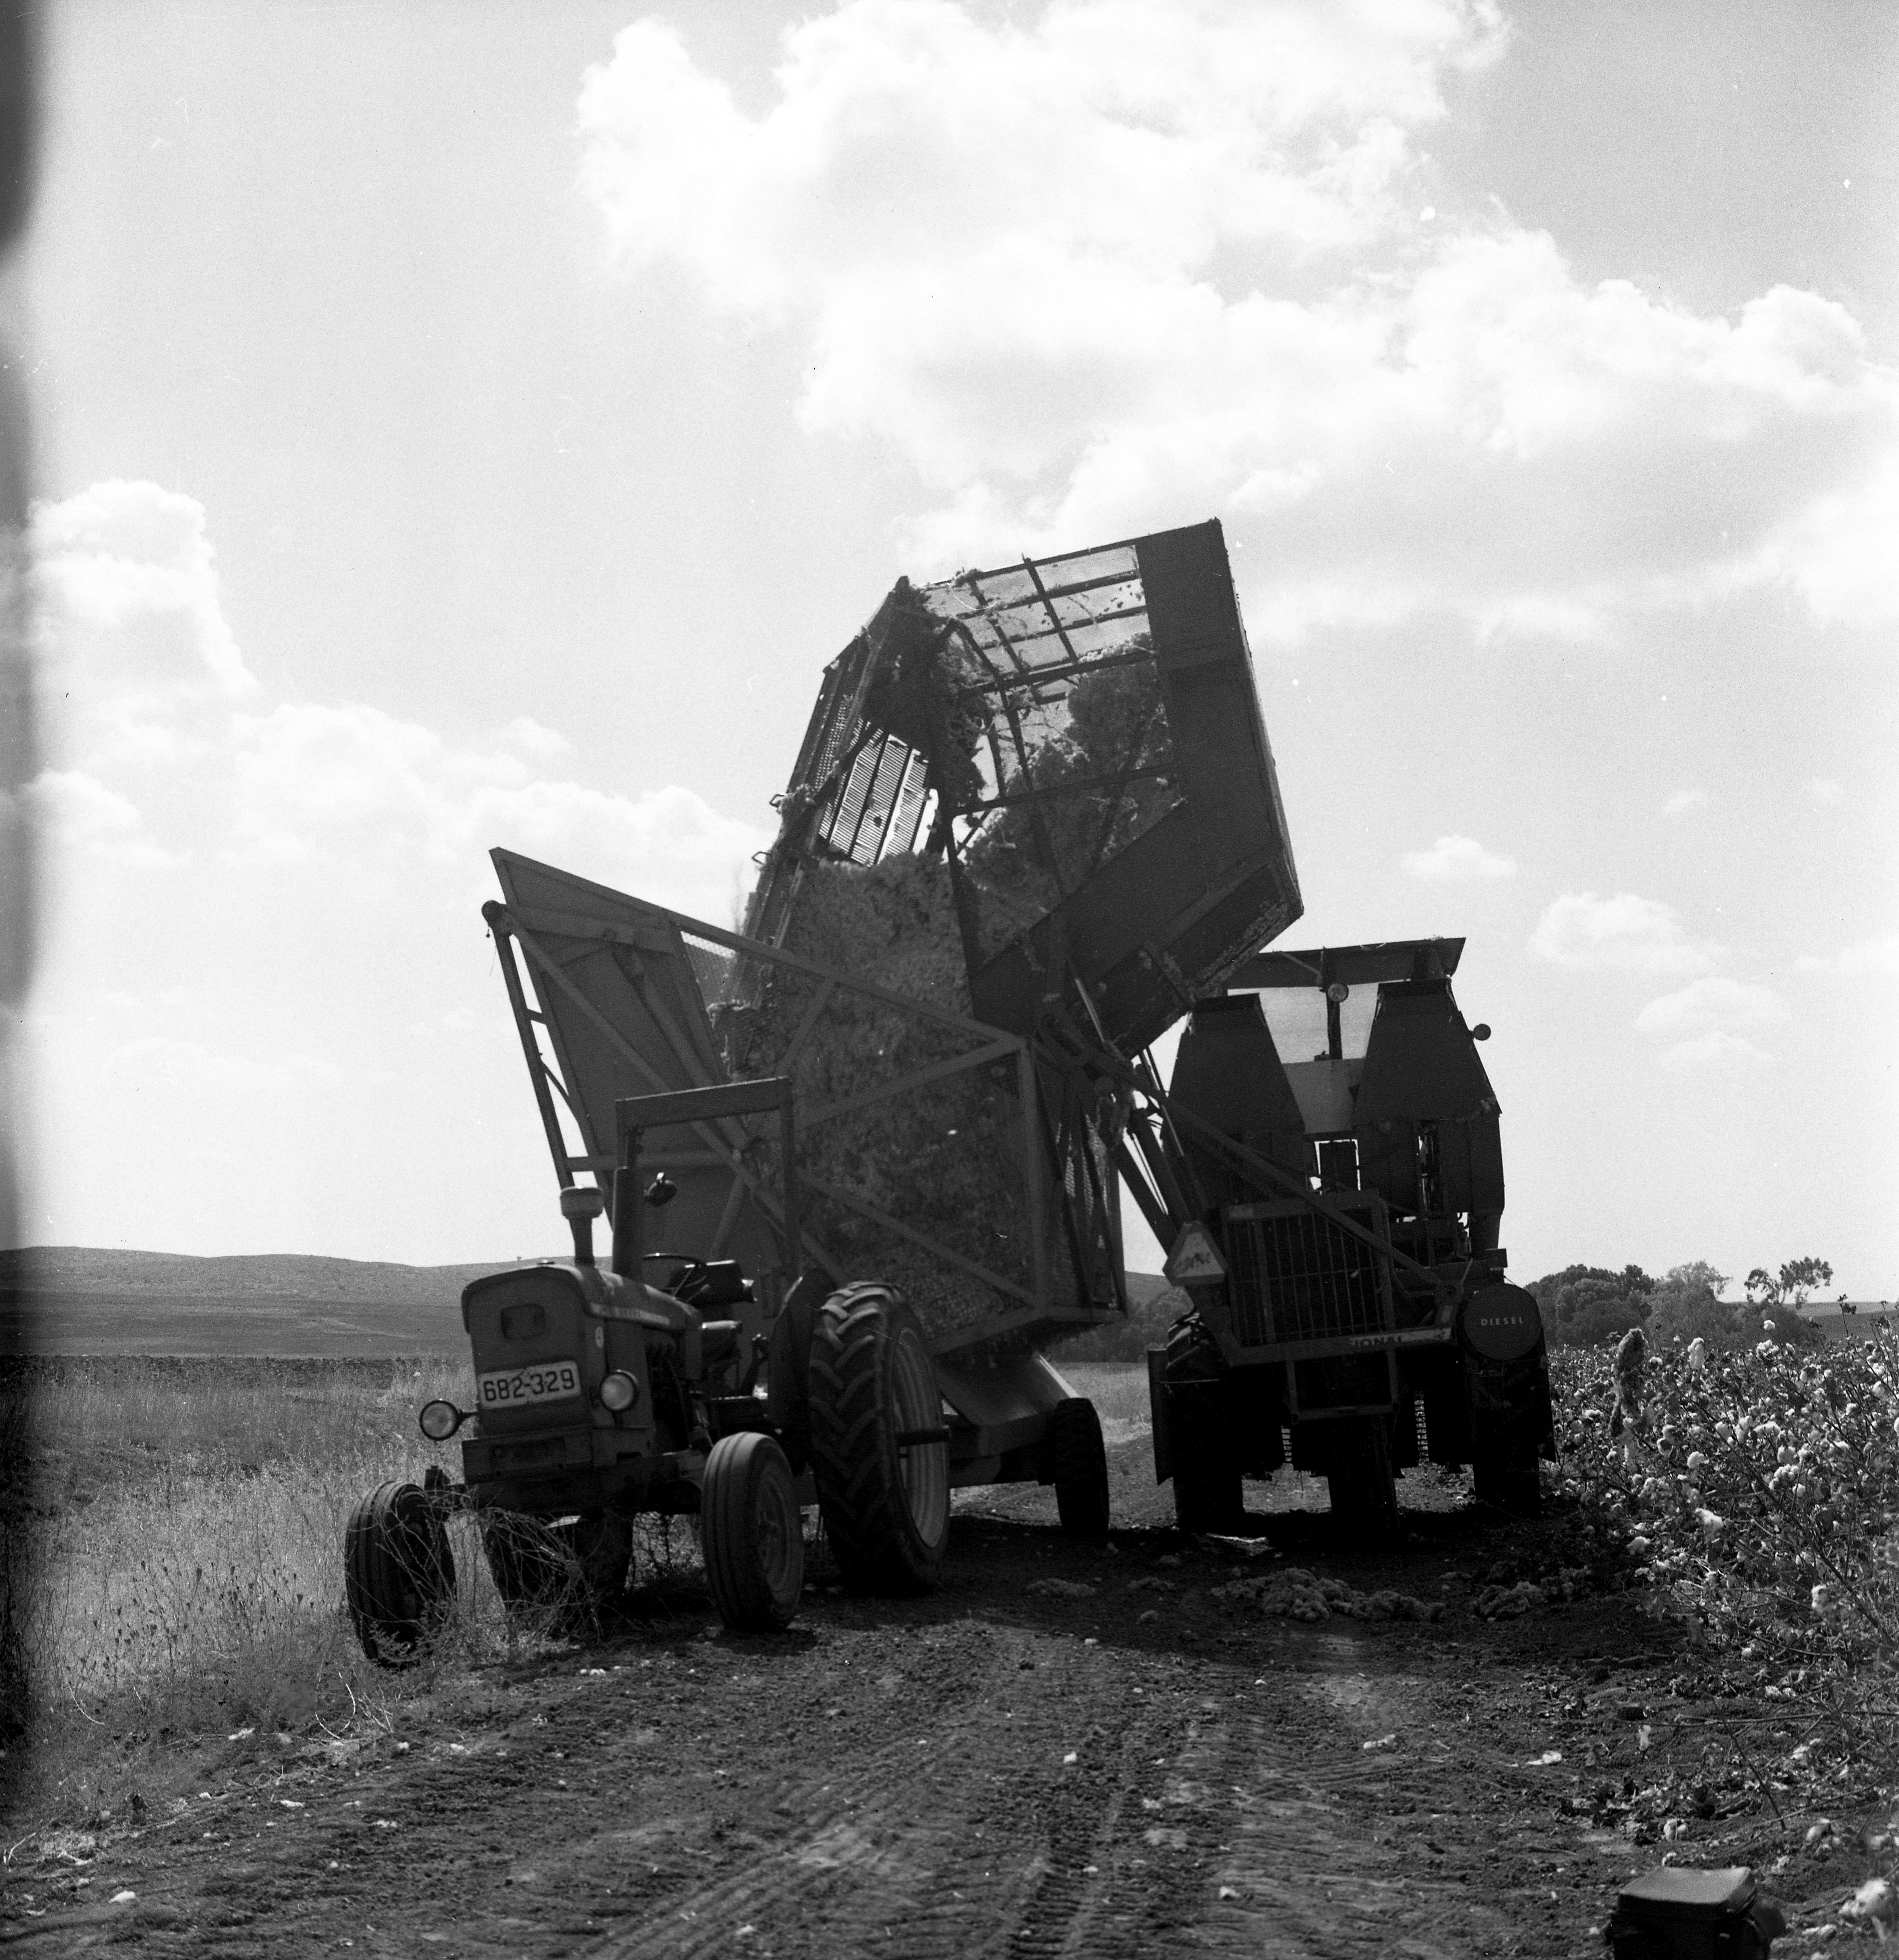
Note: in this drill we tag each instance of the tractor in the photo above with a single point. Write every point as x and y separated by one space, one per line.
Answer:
601 1396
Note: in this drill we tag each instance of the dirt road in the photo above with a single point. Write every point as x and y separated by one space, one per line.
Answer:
1068 1750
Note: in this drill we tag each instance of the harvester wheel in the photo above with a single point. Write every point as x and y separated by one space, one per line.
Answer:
399 1574
753 1533
1079 1460
1208 1494
1511 1486
878 1444
1364 1492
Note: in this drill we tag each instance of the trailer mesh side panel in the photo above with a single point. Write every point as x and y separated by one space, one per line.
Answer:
1297 1276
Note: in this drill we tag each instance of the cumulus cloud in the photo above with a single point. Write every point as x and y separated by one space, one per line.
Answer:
535 739
1456 859
1717 1049
134 637
179 748
1876 955
1713 1004
78 816
1633 934
1707 1023
355 786
1684 800
1146 258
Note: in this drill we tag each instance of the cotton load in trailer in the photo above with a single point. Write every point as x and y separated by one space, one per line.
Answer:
1033 817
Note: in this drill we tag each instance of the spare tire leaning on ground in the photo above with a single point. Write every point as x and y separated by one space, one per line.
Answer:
879 1447
399 1574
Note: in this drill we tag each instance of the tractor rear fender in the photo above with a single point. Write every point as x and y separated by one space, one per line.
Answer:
1007 1402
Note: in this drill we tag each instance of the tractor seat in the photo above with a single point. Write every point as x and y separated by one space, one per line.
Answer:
708 1283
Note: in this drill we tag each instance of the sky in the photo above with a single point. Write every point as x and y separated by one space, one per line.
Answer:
470 425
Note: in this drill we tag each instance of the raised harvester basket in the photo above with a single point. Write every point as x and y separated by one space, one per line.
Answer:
1033 819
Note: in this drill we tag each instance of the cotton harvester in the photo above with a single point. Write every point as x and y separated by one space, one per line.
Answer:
1332 1126
861 1160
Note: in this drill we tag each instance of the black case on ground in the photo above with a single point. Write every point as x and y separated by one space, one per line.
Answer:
1675 1913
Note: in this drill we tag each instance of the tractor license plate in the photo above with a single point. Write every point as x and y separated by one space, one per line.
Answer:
540 1381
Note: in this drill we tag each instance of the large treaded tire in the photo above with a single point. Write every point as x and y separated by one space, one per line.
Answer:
753 1533
886 1504
1511 1486
399 1574
1209 1493
1078 1459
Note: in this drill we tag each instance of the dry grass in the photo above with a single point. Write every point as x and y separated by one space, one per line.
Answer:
1118 1390
182 1574
177 1585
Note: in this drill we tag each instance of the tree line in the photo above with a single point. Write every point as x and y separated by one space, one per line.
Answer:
1587 1306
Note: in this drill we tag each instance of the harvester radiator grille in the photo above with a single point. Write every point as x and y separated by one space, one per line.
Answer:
1298 1276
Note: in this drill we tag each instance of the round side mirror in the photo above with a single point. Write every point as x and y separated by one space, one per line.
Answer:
661 1191
1481 1032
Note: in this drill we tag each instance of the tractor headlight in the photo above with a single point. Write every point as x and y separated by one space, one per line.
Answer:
440 1420
619 1390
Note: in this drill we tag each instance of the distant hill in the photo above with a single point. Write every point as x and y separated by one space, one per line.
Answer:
82 1300
85 1300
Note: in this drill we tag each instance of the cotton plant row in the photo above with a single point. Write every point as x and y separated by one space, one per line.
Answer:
1759 1488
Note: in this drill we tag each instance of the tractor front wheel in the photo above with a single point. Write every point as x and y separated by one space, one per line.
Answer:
753 1533
1078 1460
879 1445
399 1574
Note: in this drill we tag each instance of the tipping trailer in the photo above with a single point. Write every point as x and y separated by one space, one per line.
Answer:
1034 818
1332 1119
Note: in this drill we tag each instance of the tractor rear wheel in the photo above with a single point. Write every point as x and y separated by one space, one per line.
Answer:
879 1444
399 1574
1364 1492
753 1533
1078 1460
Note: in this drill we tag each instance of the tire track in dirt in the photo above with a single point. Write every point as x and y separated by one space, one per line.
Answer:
1305 1875
892 1780
977 1841
986 1842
